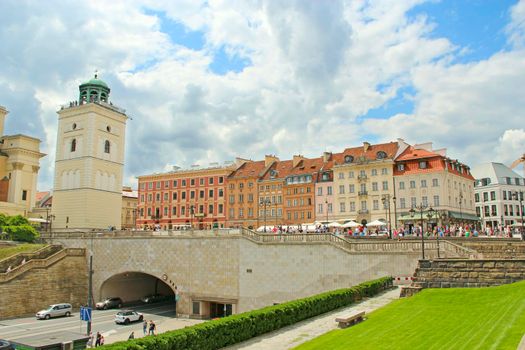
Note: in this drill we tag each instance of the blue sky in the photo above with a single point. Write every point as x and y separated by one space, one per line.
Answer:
208 81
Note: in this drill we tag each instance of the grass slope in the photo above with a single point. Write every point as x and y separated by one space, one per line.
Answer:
6 252
456 318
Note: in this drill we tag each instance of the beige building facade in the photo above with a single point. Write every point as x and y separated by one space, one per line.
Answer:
362 178
19 165
89 161
129 208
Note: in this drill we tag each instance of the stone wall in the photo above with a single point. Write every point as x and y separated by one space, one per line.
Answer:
64 281
468 273
487 249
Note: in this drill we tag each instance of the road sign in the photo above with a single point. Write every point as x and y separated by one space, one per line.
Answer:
85 313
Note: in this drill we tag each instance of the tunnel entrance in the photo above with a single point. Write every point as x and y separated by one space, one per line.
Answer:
131 287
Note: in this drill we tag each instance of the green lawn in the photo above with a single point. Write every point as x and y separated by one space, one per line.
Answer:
6 252
457 318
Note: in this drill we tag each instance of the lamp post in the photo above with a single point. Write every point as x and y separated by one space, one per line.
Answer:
430 215
460 202
395 212
264 202
326 204
412 212
49 218
386 203
519 196
192 213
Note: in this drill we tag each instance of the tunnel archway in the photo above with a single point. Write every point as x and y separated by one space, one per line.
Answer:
131 286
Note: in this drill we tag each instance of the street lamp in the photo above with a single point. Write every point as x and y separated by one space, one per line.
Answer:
460 202
430 214
412 212
386 203
49 218
264 202
326 204
192 213
519 196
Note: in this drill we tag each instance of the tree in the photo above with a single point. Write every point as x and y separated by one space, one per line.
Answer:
17 228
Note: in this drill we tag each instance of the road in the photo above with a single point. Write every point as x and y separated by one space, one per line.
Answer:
103 321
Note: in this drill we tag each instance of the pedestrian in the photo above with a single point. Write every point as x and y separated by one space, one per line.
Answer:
145 327
151 328
97 340
90 340
131 336
101 340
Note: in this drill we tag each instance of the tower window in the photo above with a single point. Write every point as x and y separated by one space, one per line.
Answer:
106 146
24 195
108 128
74 145
74 126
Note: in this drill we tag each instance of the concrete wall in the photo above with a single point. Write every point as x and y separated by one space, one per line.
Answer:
63 282
217 268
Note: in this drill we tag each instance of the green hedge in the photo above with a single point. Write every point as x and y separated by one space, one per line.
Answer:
233 329
21 233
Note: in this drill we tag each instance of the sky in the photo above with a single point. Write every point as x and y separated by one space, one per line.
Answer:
208 81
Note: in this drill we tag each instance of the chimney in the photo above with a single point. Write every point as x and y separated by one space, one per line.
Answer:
296 160
269 159
366 146
327 156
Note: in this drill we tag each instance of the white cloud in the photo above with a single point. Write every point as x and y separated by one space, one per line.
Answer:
516 28
316 69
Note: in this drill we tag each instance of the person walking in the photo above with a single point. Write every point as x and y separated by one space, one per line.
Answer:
97 340
145 327
152 328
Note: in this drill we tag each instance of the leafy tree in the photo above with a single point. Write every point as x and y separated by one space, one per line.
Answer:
18 228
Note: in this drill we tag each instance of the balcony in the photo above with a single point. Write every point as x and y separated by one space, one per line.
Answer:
363 193
362 177
363 211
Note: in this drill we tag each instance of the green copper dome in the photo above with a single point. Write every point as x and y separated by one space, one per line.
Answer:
94 90
96 81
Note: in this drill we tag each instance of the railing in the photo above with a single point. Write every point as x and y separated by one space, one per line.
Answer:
363 193
89 234
41 253
363 211
40 263
458 250
362 177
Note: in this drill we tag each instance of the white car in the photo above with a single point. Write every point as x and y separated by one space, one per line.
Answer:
128 316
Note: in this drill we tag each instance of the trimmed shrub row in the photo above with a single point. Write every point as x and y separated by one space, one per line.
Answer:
233 329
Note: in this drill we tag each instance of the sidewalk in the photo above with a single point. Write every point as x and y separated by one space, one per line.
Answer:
294 335
162 326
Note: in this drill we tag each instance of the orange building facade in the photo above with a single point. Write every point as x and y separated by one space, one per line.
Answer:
183 199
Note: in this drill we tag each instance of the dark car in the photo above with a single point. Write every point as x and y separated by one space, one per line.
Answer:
109 303
5 345
153 298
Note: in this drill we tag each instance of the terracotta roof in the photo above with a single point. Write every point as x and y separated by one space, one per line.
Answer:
389 148
281 170
412 153
248 169
41 195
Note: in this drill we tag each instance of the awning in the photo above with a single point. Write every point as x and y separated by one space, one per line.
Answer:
463 216
417 216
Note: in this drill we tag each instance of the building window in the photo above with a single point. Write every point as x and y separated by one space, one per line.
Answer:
401 167
192 182
319 191
329 190
201 181
220 210
352 206
351 174
487 210
374 186
166 211
424 201
342 208
485 196
329 207
319 208
494 212
210 194
192 194
107 146
401 185
174 211
384 171
412 184
435 183
436 201
166 196
210 209
24 195
73 145
385 185
402 203
375 204
374 172
341 188
351 188
476 197
423 183
341 176
232 199
157 184
413 202
492 195
423 164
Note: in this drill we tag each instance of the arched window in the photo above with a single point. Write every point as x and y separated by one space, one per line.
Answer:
349 159
74 145
381 155
106 146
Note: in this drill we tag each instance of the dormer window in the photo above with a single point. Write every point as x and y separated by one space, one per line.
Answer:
107 146
401 167
349 159
380 155
73 145
423 164
326 177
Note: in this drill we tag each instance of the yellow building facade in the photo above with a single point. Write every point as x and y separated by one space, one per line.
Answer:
19 165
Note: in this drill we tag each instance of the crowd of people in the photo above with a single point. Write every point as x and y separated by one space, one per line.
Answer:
454 230
148 328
